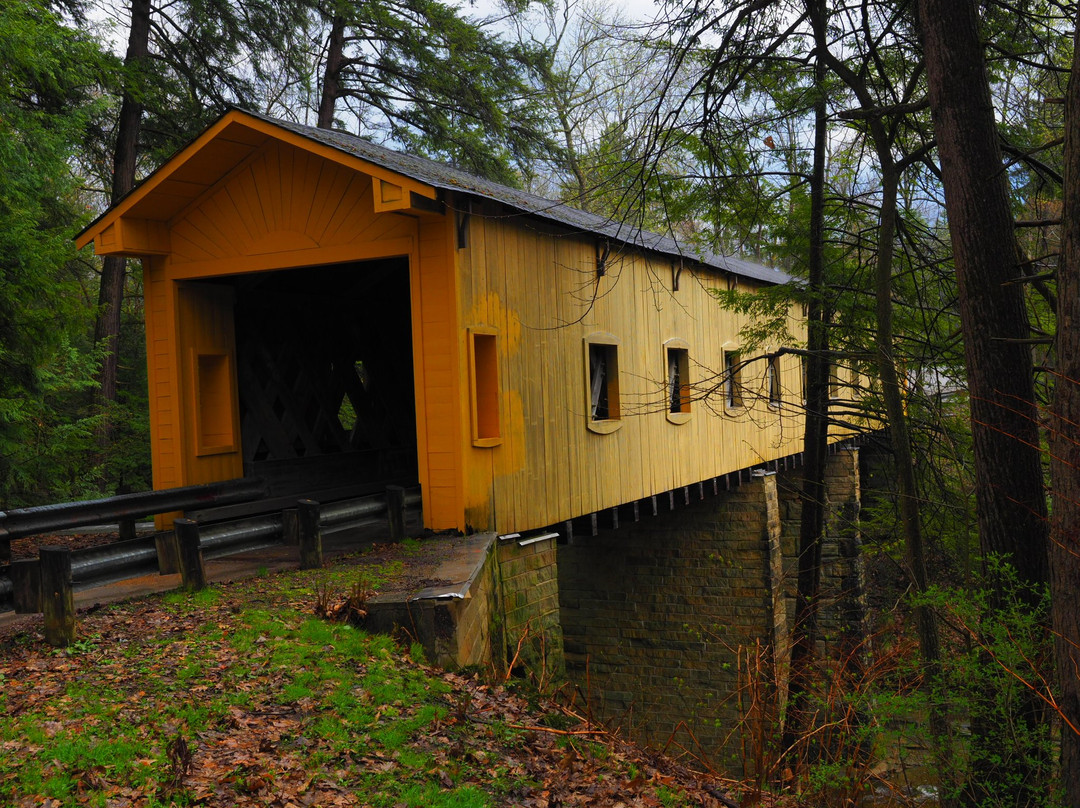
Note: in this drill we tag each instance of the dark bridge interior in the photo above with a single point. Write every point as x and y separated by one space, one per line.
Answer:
324 367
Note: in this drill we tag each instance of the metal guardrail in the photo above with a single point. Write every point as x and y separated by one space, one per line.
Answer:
361 511
121 560
116 561
234 537
21 522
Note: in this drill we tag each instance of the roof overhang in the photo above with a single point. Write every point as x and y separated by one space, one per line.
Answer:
138 225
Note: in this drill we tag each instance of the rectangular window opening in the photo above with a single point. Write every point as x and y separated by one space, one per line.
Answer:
484 362
678 380
603 382
834 380
732 379
772 369
603 412
214 405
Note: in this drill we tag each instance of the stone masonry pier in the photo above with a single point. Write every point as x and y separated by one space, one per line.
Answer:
658 615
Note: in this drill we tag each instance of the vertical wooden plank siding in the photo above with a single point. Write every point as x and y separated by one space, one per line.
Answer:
538 285
479 272
162 378
280 208
441 352
206 329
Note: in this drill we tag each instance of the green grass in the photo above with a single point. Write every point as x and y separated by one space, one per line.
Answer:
355 683
261 693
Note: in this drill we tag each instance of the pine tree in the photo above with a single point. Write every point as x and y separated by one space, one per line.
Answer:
418 73
47 96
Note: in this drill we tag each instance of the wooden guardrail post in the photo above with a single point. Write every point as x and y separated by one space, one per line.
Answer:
26 585
395 511
57 597
127 529
192 573
309 520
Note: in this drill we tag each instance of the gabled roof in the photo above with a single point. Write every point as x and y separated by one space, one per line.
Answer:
443 177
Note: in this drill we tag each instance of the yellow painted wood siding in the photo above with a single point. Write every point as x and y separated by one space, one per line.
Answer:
206 330
539 288
163 381
284 207
279 209
441 378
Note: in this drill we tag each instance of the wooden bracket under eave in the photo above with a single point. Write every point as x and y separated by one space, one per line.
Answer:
130 237
390 197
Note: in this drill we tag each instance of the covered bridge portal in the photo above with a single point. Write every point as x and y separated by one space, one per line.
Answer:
324 312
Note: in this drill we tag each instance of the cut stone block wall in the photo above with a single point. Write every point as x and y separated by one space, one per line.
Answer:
498 607
842 614
455 621
531 628
655 613
658 615
653 621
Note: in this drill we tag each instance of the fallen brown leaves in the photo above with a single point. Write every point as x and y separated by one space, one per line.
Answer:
576 765
202 703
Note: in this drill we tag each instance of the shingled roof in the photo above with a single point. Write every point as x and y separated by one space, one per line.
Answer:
442 176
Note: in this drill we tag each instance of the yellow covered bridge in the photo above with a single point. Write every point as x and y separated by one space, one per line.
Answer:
319 308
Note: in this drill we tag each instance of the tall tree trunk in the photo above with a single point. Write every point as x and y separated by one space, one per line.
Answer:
900 437
1010 496
331 86
1065 450
1009 486
111 291
815 438
884 139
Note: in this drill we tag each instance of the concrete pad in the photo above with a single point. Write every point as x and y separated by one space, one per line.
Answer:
448 606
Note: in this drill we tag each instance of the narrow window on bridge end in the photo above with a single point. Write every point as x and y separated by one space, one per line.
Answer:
733 396
484 373
677 380
214 424
602 383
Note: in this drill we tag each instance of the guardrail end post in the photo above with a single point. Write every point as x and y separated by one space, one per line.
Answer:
310 533
290 527
192 572
57 597
395 511
168 556
26 585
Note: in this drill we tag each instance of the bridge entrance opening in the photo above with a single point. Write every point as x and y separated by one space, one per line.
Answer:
325 375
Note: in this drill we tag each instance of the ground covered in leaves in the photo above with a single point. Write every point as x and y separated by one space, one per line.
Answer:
239 696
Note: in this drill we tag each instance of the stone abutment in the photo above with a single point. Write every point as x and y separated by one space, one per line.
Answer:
664 619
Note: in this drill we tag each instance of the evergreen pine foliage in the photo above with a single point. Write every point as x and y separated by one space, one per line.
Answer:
47 96
423 75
